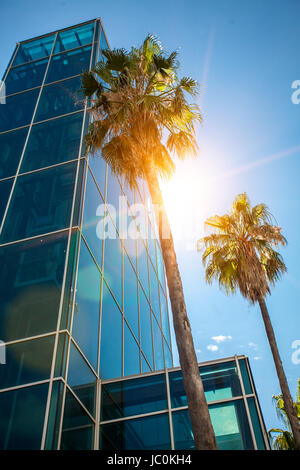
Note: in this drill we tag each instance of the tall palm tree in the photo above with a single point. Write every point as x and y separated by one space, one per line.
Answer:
240 256
283 439
141 120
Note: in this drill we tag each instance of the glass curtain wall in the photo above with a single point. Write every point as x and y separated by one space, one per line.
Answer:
151 412
74 308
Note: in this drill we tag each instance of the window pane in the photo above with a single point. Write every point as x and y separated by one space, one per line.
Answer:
18 110
98 167
48 195
182 429
11 146
81 379
5 188
113 190
111 337
74 37
87 306
113 264
145 365
145 321
220 381
245 376
53 142
26 362
25 76
58 99
168 356
130 297
92 225
22 417
165 316
131 353
158 347
154 286
256 424
231 426
103 43
133 397
34 50
54 415
30 286
78 429
68 64
143 265
150 433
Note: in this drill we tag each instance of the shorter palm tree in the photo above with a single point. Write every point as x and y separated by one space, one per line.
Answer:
283 439
240 256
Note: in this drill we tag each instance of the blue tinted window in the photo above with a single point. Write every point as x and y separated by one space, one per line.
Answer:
98 167
22 417
30 286
111 337
92 225
164 316
68 64
133 397
54 415
142 260
131 353
33 50
48 195
27 362
158 347
58 99
168 356
103 42
154 286
130 297
245 376
81 379
78 429
182 429
256 424
74 37
11 146
25 76
53 142
113 190
149 433
144 364
145 321
220 381
18 110
87 306
231 426
5 187
113 265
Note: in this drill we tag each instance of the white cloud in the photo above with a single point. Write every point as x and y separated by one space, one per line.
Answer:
221 338
252 345
256 358
212 347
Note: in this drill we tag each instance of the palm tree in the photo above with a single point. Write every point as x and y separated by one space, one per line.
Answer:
240 256
283 439
141 120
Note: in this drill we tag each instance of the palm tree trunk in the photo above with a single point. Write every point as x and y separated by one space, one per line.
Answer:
204 436
288 402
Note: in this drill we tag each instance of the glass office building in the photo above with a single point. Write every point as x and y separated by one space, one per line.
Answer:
74 307
83 309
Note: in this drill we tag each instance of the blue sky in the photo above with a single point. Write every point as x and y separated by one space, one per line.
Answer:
245 55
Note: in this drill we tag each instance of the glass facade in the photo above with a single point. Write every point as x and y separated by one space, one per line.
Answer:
150 411
79 303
